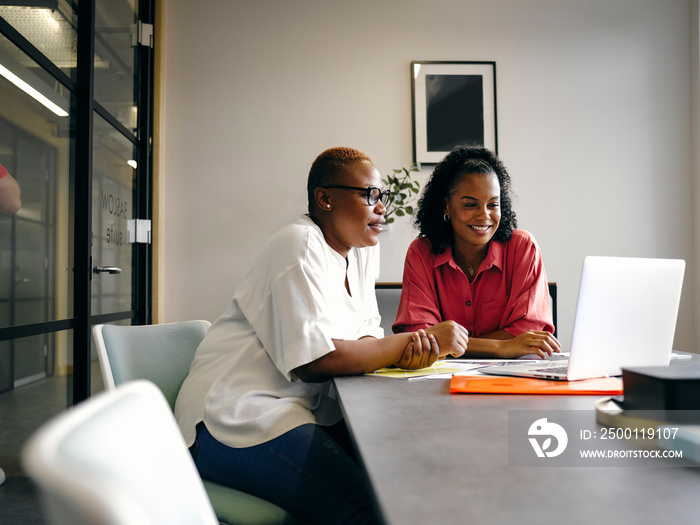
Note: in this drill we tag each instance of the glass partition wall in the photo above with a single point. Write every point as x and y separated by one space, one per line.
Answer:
75 179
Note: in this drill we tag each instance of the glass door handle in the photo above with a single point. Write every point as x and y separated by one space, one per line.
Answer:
106 269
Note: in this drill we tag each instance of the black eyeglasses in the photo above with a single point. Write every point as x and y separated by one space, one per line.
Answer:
373 194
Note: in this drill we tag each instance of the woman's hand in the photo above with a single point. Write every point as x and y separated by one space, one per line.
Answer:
453 338
535 342
420 352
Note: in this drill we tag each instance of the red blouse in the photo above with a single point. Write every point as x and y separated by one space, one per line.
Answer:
509 291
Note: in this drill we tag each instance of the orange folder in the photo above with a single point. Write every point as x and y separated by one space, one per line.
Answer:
470 384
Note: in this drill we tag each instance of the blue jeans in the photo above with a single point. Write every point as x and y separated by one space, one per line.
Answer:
304 471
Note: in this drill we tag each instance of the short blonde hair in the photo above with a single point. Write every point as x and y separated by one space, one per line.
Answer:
328 167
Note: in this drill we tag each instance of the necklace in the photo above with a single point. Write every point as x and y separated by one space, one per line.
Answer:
459 259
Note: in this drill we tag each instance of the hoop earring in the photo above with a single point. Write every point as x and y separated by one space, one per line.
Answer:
446 218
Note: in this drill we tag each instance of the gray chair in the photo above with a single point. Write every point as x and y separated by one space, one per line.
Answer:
163 354
553 299
117 459
388 296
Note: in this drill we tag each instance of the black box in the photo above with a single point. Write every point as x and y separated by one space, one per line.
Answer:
661 387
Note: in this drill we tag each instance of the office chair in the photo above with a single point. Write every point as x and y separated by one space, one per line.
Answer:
553 299
163 354
119 459
388 296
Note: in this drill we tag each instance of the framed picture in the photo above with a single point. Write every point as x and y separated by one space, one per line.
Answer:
454 104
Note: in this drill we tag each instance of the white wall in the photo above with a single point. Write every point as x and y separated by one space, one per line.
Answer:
594 124
695 135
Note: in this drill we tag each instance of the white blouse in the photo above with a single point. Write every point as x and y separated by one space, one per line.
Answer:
286 309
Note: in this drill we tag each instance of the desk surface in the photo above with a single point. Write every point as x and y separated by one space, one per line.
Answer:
433 457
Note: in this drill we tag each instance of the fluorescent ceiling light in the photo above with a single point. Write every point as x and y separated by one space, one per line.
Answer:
9 75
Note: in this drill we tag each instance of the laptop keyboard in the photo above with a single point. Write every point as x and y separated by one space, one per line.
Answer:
553 369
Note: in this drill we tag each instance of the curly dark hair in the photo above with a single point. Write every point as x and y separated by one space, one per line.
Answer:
431 206
328 167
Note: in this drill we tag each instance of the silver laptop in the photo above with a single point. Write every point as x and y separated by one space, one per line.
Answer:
626 316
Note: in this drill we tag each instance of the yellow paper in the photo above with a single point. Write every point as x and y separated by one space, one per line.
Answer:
440 367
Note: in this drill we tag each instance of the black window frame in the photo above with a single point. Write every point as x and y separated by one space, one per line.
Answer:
82 113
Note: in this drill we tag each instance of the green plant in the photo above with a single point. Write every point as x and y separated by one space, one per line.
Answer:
404 191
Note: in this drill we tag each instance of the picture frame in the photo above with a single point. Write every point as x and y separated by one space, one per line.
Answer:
454 104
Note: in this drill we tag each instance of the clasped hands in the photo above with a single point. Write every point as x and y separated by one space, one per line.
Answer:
433 343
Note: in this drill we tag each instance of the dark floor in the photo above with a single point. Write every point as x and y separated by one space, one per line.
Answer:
22 411
19 502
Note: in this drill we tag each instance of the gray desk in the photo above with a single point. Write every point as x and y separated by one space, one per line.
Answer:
433 457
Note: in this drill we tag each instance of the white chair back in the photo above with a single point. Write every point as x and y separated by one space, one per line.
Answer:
117 458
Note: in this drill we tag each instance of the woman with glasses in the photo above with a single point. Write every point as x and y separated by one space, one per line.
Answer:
471 265
256 409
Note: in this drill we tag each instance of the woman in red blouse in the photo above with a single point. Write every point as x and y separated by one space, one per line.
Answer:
471 265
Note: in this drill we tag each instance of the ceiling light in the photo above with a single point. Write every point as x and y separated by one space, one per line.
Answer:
9 75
